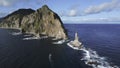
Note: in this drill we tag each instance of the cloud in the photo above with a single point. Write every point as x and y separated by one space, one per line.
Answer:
70 13
104 20
104 7
73 12
6 2
91 20
94 9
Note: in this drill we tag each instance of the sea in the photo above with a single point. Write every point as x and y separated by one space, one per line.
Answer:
101 48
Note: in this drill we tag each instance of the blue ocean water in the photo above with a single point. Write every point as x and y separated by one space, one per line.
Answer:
103 38
24 51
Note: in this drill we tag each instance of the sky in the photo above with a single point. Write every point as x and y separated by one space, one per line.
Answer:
71 11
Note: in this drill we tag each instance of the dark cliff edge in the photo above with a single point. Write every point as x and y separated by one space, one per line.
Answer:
41 22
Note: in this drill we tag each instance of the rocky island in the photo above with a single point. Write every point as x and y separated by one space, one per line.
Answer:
42 21
76 42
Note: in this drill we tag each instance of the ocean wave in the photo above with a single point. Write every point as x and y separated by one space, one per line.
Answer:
16 33
50 57
27 35
91 58
50 60
34 37
30 38
60 42
76 48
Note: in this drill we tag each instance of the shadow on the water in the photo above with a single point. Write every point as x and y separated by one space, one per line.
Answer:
18 53
41 53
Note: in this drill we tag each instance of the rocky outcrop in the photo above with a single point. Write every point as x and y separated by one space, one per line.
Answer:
76 42
41 22
14 19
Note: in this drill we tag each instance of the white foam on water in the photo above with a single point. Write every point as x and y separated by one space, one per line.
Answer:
76 48
34 37
59 42
91 58
16 33
50 60
27 35
30 38
87 54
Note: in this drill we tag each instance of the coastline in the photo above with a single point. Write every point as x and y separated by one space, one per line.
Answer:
34 35
10 28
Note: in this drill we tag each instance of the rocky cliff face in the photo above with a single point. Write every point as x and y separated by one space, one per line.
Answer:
14 19
43 21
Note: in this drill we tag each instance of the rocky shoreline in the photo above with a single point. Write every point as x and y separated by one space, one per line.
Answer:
42 21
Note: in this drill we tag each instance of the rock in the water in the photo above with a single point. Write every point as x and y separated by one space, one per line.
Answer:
76 42
41 22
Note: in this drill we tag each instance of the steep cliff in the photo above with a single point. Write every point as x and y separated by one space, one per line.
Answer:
14 19
41 22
